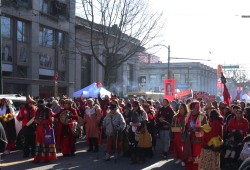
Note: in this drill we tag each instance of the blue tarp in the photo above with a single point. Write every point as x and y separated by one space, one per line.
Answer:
92 91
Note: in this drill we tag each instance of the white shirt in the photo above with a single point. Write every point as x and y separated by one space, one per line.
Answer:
90 111
4 109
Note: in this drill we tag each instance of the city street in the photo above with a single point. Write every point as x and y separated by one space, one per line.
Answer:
84 160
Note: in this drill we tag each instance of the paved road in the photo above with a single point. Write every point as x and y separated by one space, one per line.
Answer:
85 161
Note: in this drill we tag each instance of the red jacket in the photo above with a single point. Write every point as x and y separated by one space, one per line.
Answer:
240 125
217 130
24 116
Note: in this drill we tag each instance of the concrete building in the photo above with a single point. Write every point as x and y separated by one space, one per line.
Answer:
194 75
38 41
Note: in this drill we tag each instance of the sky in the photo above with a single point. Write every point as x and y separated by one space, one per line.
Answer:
206 30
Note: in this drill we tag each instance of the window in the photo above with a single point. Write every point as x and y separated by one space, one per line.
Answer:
59 9
177 78
61 76
188 78
44 6
46 37
24 3
130 73
6 27
54 8
152 78
22 71
61 40
163 77
21 31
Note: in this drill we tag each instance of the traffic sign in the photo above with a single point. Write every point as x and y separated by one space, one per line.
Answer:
230 66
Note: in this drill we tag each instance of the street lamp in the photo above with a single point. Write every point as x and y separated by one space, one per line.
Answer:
168 47
168 62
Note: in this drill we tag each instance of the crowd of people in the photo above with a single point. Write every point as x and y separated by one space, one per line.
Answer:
206 135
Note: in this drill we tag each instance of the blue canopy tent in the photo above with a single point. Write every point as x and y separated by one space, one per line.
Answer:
92 91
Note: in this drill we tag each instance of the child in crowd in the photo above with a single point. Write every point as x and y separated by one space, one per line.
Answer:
231 146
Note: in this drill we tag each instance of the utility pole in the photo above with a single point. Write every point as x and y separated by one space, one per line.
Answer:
1 72
169 62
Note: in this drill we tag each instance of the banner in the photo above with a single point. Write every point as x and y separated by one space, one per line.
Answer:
169 89
211 98
219 70
185 94
201 95
219 85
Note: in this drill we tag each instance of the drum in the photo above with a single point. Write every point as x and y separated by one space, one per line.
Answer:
64 117
80 121
74 129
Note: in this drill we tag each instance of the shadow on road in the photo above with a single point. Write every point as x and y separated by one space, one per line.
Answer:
84 160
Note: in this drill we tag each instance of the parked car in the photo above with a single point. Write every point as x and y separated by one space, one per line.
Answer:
17 101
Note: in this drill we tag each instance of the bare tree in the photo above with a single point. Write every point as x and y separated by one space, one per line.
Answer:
239 77
119 29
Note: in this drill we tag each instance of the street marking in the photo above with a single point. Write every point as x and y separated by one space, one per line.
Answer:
14 163
74 167
157 164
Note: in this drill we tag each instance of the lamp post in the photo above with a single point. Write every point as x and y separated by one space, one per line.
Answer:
168 47
168 62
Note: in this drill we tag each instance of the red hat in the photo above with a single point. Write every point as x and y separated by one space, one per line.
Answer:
30 100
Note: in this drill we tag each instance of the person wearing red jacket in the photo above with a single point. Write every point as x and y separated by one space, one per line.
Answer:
26 113
44 151
210 155
65 137
192 135
239 123
151 123
178 124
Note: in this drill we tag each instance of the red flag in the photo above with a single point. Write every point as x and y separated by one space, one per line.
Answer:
226 95
99 84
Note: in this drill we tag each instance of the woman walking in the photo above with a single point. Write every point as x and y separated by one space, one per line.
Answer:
210 154
178 124
66 132
45 144
8 122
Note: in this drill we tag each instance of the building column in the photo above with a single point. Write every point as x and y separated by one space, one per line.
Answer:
72 56
33 66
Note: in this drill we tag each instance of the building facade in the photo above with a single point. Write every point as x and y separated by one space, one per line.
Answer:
38 42
44 38
194 75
